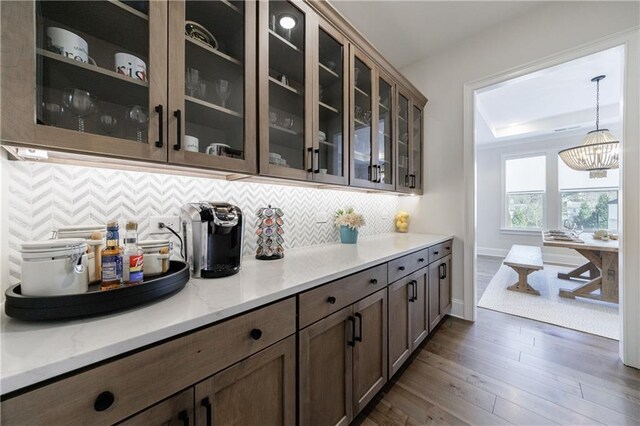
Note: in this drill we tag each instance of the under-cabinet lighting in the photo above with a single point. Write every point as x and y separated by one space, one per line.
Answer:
32 154
287 21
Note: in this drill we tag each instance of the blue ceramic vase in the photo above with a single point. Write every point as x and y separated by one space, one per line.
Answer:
348 235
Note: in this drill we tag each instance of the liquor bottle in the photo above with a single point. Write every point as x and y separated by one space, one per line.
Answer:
133 255
112 258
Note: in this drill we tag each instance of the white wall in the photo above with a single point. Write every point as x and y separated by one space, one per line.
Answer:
490 239
552 28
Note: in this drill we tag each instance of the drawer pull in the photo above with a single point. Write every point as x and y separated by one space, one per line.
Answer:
447 248
374 281
207 404
352 320
331 300
183 416
436 252
160 111
359 337
401 268
421 260
256 334
104 401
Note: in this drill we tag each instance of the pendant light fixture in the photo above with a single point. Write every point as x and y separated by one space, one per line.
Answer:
599 152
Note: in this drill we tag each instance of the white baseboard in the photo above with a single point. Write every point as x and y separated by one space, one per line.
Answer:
556 259
457 308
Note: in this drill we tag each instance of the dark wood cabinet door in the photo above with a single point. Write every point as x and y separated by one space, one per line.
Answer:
97 94
445 285
213 86
370 350
399 319
434 294
419 325
258 390
174 411
326 370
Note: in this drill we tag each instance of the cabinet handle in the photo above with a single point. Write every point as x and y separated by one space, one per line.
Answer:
420 260
370 172
207 404
445 270
406 181
401 268
331 300
413 291
160 111
104 401
359 337
310 158
183 416
178 146
374 281
352 320
256 334
379 174
441 268
317 160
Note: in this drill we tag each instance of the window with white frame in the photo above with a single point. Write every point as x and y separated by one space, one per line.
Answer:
524 191
587 203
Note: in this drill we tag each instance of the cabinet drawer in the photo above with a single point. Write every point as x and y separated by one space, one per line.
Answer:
118 389
322 301
439 251
405 265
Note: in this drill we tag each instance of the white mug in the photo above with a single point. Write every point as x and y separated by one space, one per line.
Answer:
191 143
131 66
69 45
213 149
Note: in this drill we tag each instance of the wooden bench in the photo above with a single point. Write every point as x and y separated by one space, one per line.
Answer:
524 260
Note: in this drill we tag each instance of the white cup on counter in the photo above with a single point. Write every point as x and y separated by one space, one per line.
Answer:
191 143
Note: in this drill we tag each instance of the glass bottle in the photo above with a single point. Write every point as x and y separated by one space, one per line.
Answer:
112 258
133 255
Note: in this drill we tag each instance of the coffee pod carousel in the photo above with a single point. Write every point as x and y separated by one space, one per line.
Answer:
269 234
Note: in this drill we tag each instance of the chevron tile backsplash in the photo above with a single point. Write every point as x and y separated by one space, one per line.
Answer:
42 196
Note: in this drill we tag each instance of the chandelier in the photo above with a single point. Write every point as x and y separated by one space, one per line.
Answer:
599 152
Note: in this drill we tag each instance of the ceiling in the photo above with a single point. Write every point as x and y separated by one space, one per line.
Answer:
553 101
408 31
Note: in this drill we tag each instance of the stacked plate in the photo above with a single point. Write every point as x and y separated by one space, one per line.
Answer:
275 158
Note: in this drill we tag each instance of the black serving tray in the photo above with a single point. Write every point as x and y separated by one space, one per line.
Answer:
95 302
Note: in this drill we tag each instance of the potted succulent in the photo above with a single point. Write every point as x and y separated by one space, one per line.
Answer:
348 221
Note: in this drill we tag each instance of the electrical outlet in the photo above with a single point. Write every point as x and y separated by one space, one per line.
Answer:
321 217
171 221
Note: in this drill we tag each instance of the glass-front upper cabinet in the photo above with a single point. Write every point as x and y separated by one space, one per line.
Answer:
100 76
212 84
330 133
403 180
416 150
385 131
285 89
363 172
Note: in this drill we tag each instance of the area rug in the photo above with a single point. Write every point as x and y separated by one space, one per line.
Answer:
590 316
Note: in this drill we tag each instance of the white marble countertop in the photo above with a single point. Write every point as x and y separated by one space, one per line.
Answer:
35 351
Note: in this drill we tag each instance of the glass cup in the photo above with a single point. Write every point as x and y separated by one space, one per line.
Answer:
139 117
52 113
223 90
108 123
192 81
81 103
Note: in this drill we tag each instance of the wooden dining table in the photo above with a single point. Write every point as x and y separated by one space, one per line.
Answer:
600 272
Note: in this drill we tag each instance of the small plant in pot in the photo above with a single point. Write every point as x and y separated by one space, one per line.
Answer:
348 221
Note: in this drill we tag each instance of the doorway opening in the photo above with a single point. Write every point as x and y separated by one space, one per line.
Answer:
546 236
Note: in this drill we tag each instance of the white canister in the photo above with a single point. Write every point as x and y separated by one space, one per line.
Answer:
131 66
68 44
54 267
156 256
94 247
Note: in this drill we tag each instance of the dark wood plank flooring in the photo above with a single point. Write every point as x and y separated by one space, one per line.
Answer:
504 369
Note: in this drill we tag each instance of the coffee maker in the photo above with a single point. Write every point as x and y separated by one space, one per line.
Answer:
213 237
